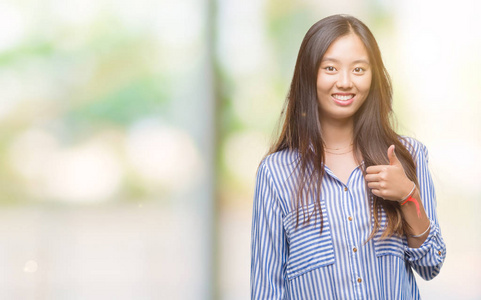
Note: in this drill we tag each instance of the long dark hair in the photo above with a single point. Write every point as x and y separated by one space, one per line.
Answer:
373 128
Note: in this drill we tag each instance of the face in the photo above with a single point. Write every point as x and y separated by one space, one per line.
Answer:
343 79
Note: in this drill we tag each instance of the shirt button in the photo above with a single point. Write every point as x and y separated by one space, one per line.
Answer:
440 253
350 218
345 189
359 280
354 249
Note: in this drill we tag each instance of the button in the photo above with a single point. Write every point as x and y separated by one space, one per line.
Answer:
359 280
354 249
440 253
345 189
350 218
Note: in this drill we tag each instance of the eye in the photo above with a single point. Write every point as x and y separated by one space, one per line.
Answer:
359 70
330 69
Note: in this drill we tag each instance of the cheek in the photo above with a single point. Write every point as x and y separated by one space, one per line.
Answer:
323 85
366 84
363 87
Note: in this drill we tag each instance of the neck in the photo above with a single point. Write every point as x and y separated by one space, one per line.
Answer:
337 134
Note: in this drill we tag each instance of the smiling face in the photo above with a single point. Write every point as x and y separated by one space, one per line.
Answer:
343 79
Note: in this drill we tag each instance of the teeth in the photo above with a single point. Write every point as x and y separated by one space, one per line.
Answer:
343 97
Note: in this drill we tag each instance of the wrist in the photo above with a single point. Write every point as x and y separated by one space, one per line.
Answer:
423 233
408 196
412 202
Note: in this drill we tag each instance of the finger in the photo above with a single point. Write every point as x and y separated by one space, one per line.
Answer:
374 185
376 192
391 154
372 177
375 169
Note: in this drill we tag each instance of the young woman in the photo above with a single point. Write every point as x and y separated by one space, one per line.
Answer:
344 207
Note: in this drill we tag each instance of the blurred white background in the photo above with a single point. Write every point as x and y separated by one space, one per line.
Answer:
130 134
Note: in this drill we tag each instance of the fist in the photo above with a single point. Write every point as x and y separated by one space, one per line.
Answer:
389 181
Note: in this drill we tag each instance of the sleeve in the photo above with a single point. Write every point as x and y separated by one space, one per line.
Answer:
428 259
269 246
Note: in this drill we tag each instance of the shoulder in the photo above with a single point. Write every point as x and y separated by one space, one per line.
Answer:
281 169
284 159
277 172
417 149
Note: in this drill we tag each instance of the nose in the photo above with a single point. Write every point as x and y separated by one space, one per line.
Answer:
344 81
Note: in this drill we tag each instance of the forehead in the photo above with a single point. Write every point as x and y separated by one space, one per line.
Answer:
346 49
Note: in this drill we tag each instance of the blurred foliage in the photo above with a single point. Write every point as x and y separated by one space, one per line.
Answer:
74 82
132 101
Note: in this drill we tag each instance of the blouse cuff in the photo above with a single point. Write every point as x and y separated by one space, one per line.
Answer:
414 254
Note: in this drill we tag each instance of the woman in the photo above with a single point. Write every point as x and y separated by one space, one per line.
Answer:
344 207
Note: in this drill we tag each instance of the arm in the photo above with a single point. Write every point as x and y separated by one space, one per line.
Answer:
426 251
269 246
427 255
420 226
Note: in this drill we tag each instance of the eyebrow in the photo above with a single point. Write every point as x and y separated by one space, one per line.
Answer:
336 61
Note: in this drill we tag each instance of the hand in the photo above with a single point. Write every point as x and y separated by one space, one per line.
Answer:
389 181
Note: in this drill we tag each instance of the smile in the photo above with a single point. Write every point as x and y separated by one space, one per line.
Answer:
343 99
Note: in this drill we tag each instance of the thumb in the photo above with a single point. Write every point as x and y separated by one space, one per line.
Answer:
393 160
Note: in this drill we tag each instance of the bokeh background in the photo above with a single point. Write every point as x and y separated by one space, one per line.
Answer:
130 134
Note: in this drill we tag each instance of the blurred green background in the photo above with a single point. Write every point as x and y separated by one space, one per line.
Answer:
130 134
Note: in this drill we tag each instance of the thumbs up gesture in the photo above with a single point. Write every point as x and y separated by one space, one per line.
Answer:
389 181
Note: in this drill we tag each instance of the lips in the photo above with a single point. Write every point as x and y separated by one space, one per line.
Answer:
343 99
